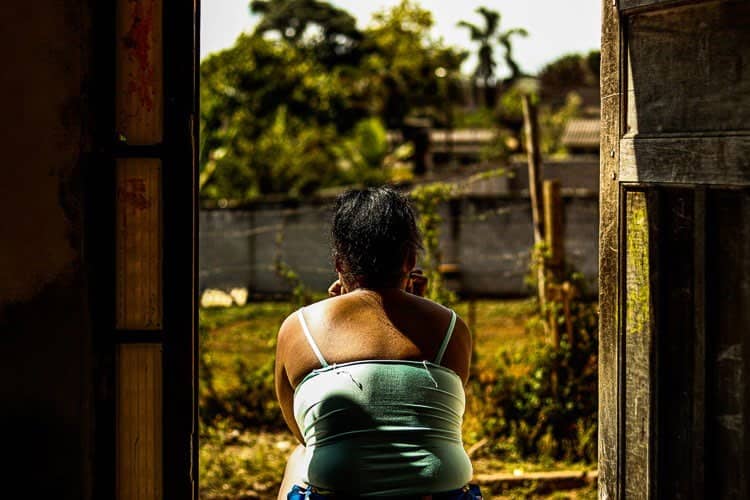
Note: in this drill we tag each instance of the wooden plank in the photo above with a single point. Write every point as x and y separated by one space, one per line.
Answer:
675 313
139 116
699 346
628 7
139 239
686 69
181 72
638 346
699 160
728 350
139 422
609 381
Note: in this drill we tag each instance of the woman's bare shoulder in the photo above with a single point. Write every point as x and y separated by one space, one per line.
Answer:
427 309
322 309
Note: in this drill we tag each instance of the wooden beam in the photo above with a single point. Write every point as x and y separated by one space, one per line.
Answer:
140 88
699 349
685 70
686 160
609 381
139 245
181 72
139 422
639 346
628 7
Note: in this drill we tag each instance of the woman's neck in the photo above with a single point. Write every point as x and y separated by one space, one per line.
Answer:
380 290
400 287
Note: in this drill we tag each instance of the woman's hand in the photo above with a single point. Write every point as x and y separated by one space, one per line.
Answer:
417 283
336 289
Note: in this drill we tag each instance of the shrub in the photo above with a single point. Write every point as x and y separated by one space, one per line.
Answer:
542 400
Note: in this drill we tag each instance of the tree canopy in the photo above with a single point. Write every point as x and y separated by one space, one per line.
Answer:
571 70
304 102
330 33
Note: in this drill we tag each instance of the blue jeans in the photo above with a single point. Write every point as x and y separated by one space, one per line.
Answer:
470 492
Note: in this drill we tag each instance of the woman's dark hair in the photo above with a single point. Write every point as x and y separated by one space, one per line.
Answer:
374 231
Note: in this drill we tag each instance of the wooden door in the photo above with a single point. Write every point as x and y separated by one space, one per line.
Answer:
674 397
150 402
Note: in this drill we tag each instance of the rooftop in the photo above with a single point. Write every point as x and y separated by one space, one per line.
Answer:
581 133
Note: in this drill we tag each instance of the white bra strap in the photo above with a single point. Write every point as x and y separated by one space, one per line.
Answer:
447 338
310 339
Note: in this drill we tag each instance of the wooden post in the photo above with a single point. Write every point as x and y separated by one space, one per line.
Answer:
553 239
531 129
553 227
568 294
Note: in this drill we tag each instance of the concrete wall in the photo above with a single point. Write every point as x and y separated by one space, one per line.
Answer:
490 238
45 338
579 173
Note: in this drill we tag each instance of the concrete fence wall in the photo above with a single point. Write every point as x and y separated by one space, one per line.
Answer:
488 237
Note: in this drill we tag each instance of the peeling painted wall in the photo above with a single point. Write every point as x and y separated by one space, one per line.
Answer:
45 338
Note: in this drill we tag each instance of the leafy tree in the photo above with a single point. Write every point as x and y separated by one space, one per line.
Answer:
268 116
571 70
330 34
364 157
410 73
276 117
593 63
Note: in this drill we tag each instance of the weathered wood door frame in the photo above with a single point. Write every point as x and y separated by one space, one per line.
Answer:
673 169
150 354
609 216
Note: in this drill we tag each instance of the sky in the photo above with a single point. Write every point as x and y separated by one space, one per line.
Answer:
555 27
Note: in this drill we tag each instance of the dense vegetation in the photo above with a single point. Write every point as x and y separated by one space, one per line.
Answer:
304 102
309 107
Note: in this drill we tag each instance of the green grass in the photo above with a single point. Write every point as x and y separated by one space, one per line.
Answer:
244 334
247 334
498 327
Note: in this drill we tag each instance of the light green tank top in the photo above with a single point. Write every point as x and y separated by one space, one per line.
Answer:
383 427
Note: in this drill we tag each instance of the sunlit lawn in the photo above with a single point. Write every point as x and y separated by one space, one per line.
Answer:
248 463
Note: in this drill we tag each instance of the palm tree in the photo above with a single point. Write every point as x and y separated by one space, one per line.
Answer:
504 39
485 71
485 36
